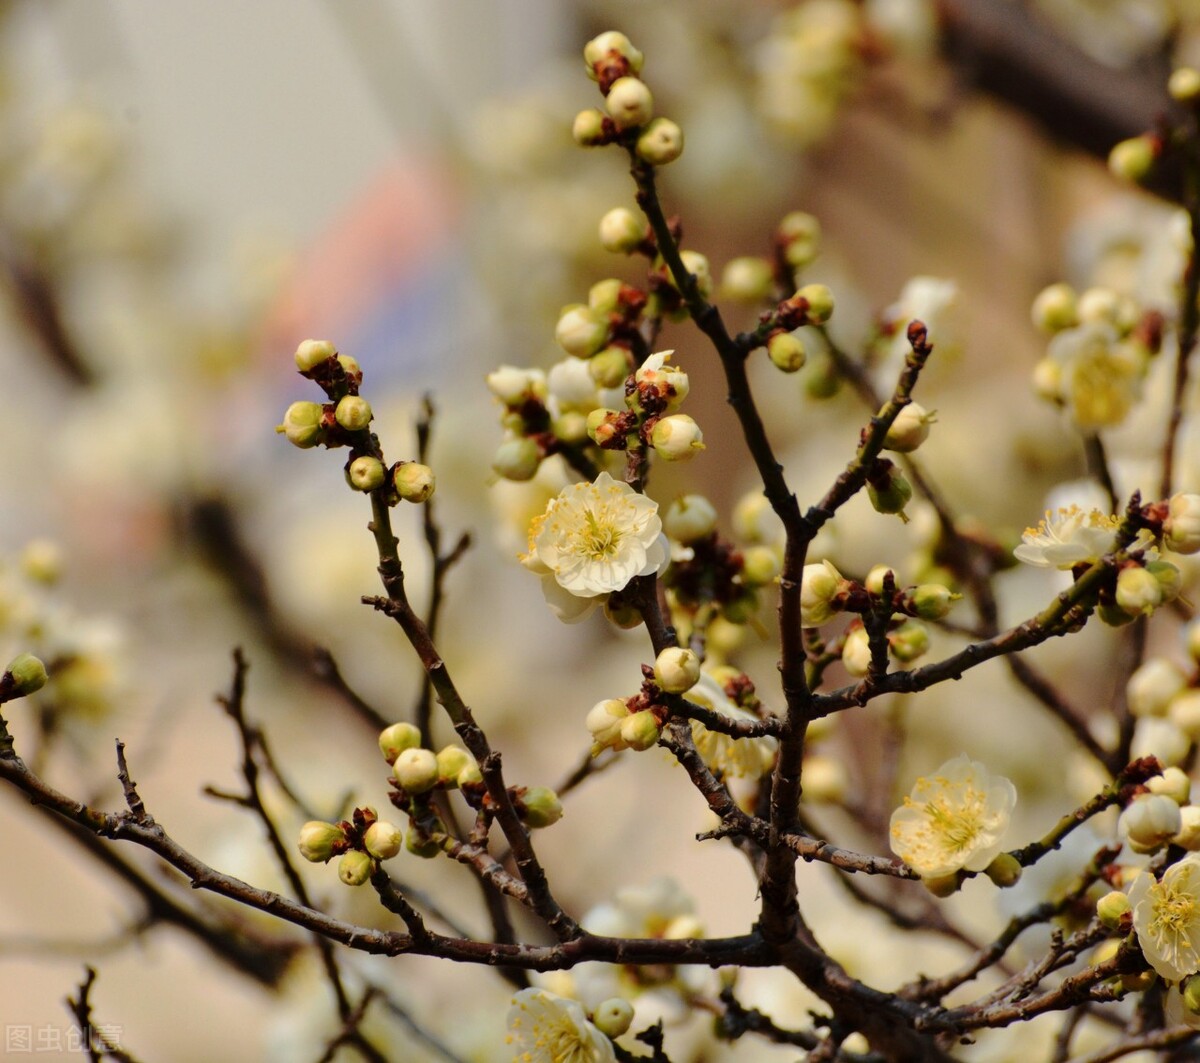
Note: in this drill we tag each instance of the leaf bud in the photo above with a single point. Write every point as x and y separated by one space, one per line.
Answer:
1055 308
909 430
413 481
629 102
353 413
366 473
302 424
1004 870
1112 908
26 673
747 279
676 669
312 353
820 302
539 806
676 437
660 142
416 770
786 352
588 128
1133 159
689 518
609 43
580 330
318 839
517 459
621 231
354 868
396 739
613 1017
639 730
383 840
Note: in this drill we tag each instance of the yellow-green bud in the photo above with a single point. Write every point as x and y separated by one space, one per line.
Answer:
366 473
580 330
760 565
517 459
588 127
383 840
605 44
451 761
942 885
1099 305
856 652
609 367
660 142
416 770
820 302
469 775
676 669
604 723
892 495
513 386
1054 308
786 352
621 231
353 413
302 424
1170 579
1188 835
1172 783
420 844
874 578
689 518
623 614
317 840
1111 907
603 296
1189 988
414 482
396 739
932 601
676 437
1133 159
1138 592
820 583
27 674
1004 870
1184 85
312 353
639 730
629 102
354 868
823 380
747 279
613 1017
909 641
540 807
801 236
743 608
1183 710
909 430
349 366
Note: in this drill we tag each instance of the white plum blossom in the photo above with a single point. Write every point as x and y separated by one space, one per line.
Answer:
747 757
1100 375
953 819
1068 537
592 540
546 1028
1166 917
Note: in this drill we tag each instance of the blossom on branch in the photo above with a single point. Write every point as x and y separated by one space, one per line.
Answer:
545 1028
746 757
953 819
1166 916
1068 537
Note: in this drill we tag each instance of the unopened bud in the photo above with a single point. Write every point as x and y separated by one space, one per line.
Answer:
420 844
1181 529
383 840
1189 988
1151 688
604 723
588 127
517 459
677 437
354 868
609 367
27 674
318 839
629 102
1184 85
1138 592
690 518
414 482
580 330
1149 822
621 231
660 142
302 424
747 279
450 763
932 601
1111 908
856 652
1172 783
942 885
677 670
540 807
1133 159
891 492
639 730
366 473
611 42
416 770
312 353
760 565
909 641
353 413
800 234
786 352
613 1017
396 739
1054 308
820 302
1004 870
909 430
820 584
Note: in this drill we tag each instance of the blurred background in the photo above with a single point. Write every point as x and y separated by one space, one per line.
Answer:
187 190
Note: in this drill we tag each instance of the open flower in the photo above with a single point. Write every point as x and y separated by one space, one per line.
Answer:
1068 537
592 540
545 1028
750 757
953 819
1166 916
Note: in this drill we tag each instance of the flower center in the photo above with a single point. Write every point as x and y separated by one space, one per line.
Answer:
598 540
1174 912
957 826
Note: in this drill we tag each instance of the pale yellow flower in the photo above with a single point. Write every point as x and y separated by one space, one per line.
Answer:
953 819
1166 916
749 757
545 1028
1068 537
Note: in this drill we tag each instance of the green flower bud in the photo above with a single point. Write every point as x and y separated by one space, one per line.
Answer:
856 652
570 427
1004 870
800 235
660 142
786 352
420 844
820 302
932 601
629 102
416 770
613 1017
820 585
513 386
942 885
414 482
312 353
580 330
689 518
742 609
639 730
355 868
760 565
383 840
909 430
676 670
697 265
1111 908
611 42
622 614
540 807
1189 988
350 366
396 739
26 673
874 578
517 459
1055 308
676 437
1133 159
366 473
909 641
302 424
747 279
588 128
318 840
621 231
469 776
1099 305
450 762
1138 592
823 380
1184 85
353 413
892 494
609 367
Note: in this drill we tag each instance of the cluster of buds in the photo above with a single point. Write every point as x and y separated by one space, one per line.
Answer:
344 421
1137 159
628 117
360 843
652 395
636 722
1165 698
